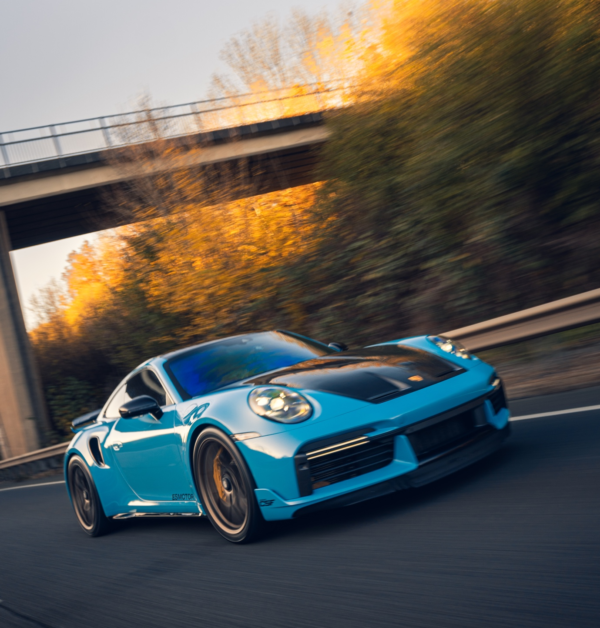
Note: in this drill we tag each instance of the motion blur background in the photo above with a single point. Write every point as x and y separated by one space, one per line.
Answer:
461 182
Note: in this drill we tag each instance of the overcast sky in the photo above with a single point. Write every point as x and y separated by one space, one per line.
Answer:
69 59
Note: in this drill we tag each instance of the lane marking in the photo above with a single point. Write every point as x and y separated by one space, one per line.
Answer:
17 488
540 415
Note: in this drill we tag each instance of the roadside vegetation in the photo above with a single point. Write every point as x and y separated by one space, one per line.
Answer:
462 182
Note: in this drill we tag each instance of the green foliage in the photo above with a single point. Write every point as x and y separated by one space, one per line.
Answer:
466 182
71 399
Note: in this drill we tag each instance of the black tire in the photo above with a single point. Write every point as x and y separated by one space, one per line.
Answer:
226 488
85 500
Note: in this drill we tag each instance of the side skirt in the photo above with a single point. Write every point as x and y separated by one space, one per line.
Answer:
131 515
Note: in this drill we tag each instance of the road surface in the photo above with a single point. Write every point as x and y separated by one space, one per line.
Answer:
512 541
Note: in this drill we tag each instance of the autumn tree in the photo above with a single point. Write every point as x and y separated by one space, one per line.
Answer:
311 58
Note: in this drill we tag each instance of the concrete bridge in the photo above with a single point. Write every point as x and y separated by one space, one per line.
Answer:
59 195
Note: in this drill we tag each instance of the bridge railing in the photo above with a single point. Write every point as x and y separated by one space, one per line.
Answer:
582 309
53 141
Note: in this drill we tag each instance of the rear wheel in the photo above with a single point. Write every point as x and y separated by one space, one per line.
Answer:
226 487
86 501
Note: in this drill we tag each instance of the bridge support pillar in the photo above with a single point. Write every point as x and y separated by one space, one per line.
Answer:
23 416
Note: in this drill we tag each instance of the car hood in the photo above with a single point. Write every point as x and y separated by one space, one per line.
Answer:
374 374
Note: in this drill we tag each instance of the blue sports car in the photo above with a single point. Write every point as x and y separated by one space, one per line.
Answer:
274 425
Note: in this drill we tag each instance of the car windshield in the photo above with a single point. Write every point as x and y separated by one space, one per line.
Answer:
205 368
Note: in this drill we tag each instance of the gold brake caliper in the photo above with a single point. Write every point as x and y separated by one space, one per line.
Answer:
217 475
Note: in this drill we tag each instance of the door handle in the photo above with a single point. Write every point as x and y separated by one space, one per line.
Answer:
117 446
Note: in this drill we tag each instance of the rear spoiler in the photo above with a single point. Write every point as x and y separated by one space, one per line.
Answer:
85 419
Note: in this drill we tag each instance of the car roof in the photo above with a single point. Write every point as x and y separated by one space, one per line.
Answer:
172 354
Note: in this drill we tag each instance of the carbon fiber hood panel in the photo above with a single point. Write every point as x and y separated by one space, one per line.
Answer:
374 374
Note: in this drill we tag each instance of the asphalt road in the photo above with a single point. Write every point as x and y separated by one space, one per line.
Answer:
512 541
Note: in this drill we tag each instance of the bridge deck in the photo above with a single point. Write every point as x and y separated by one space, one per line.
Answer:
63 197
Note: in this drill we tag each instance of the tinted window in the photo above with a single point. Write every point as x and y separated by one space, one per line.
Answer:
143 383
205 368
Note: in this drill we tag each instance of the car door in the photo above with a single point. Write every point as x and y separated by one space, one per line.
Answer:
148 451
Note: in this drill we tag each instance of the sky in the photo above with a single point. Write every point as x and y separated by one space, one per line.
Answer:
70 59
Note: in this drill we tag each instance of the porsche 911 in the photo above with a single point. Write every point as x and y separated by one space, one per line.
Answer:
274 425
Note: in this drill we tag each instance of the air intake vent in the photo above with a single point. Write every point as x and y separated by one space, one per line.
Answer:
96 451
432 440
342 461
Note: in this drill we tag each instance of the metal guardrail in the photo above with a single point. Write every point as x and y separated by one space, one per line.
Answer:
582 309
34 462
53 141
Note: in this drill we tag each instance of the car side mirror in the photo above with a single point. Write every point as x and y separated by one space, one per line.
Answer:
338 346
144 404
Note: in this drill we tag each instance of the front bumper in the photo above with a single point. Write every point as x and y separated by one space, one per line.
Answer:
415 458
455 460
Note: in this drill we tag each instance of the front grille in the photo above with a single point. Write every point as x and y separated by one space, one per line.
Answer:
431 440
498 399
349 459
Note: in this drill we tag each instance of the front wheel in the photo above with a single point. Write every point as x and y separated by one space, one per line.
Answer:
226 487
86 501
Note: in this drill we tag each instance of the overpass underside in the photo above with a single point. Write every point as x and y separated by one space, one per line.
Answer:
45 201
65 197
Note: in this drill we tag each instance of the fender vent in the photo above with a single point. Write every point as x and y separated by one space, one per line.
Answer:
96 451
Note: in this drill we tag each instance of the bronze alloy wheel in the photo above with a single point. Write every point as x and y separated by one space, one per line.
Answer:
84 496
226 487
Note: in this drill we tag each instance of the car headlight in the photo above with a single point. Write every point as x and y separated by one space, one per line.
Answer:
450 346
279 404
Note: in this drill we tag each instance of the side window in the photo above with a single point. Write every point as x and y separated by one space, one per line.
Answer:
143 383
146 383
